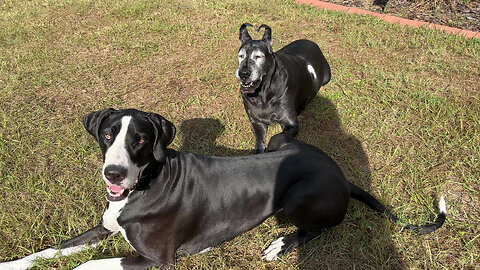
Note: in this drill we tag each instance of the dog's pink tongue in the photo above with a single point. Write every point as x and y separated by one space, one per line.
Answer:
115 188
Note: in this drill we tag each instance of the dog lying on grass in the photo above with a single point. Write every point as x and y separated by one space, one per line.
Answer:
163 201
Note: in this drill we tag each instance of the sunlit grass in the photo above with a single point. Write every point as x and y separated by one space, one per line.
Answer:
400 116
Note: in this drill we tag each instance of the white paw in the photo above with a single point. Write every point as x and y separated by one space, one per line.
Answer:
271 253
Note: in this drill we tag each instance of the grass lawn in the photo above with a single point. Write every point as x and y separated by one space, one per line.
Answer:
401 116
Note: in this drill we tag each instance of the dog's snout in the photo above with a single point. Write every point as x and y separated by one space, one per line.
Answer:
244 73
114 173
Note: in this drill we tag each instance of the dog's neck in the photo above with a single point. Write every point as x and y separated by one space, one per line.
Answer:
152 170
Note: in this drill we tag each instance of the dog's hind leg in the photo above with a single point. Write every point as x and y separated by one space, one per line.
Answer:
81 242
312 206
287 243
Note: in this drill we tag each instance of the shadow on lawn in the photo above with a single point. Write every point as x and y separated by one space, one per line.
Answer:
199 137
364 246
348 246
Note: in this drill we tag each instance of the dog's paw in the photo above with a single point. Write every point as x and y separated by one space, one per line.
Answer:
274 250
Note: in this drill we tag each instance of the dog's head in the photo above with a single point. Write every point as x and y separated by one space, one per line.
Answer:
255 58
129 140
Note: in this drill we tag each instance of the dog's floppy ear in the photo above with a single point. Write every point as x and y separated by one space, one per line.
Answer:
164 134
92 121
267 36
244 35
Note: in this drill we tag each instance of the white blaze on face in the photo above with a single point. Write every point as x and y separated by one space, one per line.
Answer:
117 152
118 155
312 71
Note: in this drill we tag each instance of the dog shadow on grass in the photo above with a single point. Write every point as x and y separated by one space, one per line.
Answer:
363 240
200 135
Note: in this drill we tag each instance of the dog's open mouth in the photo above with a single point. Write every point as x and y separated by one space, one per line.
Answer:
118 193
247 84
249 87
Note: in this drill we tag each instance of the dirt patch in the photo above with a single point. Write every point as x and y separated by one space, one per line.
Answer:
460 14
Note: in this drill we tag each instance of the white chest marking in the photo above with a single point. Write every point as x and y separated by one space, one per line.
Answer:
111 215
312 71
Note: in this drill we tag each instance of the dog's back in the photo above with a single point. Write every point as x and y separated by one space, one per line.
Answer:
311 54
307 71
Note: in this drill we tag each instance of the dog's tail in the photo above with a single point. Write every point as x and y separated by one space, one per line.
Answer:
365 197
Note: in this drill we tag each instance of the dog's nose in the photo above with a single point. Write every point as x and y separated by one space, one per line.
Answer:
115 174
244 73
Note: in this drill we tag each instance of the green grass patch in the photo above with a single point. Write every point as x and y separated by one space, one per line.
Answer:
400 116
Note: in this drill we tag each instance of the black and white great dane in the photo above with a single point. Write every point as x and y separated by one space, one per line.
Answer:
276 86
163 201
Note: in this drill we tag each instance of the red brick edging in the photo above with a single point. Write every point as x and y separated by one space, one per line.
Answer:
388 18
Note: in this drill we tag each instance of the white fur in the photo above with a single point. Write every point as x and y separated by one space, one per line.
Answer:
442 206
111 215
241 55
117 154
255 72
312 71
256 75
28 262
205 250
103 264
271 253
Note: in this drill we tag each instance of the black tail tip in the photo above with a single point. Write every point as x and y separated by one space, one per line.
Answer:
429 228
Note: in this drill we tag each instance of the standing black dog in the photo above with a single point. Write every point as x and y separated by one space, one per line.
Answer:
163 201
276 86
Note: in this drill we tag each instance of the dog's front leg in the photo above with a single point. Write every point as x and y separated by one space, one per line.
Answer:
90 237
74 245
260 132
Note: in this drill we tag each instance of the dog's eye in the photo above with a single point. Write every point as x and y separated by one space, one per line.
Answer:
256 57
108 136
240 56
140 141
